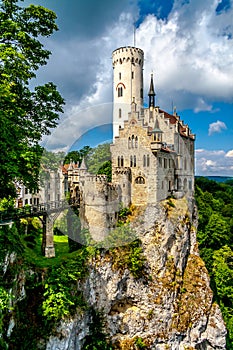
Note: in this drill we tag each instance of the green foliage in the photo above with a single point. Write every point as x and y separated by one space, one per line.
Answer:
61 297
25 115
140 344
98 157
123 215
215 237
97 339
106 169
77 156
131 257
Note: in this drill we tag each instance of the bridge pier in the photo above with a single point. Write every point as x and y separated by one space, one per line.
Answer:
48 242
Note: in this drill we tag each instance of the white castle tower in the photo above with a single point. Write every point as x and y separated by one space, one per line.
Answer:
127 84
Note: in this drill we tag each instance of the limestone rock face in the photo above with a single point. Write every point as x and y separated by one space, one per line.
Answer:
169 306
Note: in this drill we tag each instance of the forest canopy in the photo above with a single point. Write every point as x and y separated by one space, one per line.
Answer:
215 236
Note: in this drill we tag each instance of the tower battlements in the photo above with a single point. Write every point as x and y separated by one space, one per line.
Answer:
128 54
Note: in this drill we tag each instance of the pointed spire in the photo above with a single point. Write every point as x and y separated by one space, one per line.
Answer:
83 165
151 93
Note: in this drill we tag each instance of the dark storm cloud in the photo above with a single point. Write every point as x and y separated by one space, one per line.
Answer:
88 18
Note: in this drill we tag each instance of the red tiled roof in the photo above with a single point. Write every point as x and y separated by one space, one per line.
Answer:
172 118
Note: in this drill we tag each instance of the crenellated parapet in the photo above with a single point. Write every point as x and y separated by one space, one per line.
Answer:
128 54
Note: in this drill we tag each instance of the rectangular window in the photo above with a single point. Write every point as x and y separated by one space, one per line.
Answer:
165 163
119 76
132 75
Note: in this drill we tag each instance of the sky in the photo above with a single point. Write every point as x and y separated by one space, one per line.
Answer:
188 45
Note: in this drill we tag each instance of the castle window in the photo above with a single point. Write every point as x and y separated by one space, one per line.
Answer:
136 142
131 161
118 161
134 161
132 141
129 143
148 160
185 164
119 112
190 184
141 93
132 75
119 76
120 91
132 60
140 180
122 161
26 201
144 160
160 162
26 190
165 163
48 199
169 185
179 184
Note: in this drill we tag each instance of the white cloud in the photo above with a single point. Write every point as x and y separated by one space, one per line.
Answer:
215 162
229 154
216 127
189 53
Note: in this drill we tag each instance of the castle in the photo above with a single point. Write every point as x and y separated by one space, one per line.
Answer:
152 152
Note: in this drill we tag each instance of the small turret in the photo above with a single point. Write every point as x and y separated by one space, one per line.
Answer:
151 93
83 165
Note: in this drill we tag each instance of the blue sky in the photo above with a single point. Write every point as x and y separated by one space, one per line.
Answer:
188 44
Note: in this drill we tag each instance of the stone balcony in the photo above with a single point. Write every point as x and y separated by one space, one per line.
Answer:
156 146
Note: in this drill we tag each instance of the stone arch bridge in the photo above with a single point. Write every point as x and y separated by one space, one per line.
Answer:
47 213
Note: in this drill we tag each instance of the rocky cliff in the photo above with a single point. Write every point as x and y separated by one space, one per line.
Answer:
168 305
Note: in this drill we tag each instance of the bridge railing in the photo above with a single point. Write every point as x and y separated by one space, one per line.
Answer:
36 210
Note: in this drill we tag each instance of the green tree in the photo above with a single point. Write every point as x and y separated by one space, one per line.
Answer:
25 115
77 156
97 157
223 277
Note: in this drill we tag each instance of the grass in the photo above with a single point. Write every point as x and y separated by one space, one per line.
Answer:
35 257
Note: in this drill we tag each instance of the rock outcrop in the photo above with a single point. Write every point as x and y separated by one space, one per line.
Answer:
169 306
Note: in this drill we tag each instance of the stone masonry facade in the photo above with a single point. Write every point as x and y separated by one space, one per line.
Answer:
152 153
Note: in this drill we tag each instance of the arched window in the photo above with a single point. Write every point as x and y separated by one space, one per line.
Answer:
120 91
131 161
119 112
132 141
185 163
118 161
122 161
190 185
134 161
141 93
179 184
140 180
129 143
185 185
136 142
144 160
26 201
148 160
